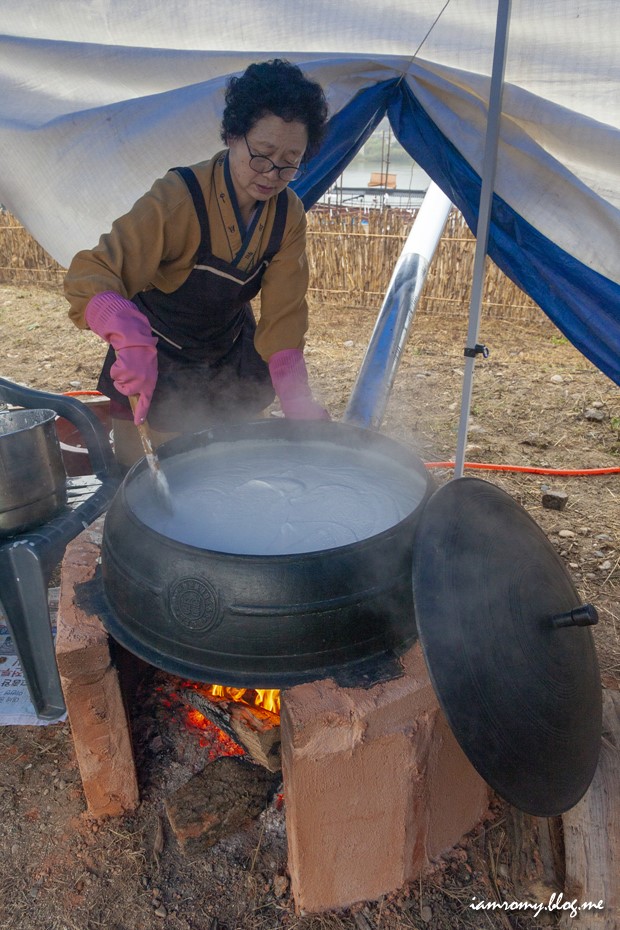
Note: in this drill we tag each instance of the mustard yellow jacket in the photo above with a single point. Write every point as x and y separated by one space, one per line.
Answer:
155 245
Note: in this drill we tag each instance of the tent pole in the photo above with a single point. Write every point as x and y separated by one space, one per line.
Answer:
373 385
484 220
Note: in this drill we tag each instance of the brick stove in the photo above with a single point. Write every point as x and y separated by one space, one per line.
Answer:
376 785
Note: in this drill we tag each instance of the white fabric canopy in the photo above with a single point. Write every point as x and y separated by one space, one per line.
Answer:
100 97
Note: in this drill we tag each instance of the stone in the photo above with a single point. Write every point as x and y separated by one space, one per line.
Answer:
280 885
554 500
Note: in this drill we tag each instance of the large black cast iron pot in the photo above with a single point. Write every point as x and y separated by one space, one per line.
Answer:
505 635
262 621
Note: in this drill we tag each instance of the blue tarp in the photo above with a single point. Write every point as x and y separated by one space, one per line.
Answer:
583 304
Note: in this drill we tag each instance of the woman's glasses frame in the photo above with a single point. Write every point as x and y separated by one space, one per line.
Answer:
263 165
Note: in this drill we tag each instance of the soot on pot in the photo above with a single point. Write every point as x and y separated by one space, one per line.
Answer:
277 497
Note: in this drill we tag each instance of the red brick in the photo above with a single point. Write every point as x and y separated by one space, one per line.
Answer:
92 691
375 787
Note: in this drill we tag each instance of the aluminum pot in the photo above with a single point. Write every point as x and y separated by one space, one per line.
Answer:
261 620
32 473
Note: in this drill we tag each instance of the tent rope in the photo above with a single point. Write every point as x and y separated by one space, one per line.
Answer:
424 38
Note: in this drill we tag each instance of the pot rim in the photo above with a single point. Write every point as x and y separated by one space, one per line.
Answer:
26 412
222 433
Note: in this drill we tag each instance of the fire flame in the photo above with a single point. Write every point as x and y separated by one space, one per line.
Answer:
268 699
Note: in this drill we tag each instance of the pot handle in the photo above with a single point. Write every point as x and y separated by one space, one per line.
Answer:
90 427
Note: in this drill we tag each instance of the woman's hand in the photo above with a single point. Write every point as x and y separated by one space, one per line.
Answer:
135 372
289 377
120 323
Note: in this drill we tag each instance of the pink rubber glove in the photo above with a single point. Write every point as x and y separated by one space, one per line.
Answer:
119 322
289 377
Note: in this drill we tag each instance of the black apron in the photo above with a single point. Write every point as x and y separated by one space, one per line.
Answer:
208 369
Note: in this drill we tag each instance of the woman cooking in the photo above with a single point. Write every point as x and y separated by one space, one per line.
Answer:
169 286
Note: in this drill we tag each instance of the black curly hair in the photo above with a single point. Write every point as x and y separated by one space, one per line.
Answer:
277 87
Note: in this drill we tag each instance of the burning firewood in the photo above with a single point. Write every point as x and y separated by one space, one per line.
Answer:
253 728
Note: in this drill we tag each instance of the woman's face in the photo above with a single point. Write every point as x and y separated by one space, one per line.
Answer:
283 143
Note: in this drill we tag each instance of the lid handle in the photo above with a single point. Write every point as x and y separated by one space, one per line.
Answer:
586 615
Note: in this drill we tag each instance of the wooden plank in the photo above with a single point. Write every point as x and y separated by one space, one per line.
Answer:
382 179
592 835
537 854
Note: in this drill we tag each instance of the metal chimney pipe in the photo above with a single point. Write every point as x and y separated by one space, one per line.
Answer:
371 391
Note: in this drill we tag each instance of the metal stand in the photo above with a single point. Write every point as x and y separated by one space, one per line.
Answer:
28 559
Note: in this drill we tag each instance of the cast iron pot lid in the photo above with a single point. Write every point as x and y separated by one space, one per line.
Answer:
508 648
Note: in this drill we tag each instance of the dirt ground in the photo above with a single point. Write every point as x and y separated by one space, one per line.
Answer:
536 403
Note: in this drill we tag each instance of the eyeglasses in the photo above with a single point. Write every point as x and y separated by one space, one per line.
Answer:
263 165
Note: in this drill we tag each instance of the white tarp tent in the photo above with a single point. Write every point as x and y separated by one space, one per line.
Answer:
100 97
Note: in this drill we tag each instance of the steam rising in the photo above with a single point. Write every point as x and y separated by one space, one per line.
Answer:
276 497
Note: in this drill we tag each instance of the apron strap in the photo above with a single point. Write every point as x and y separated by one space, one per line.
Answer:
277 231
200 207
275 240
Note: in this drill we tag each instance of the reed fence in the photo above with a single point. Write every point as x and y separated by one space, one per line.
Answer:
352 254
23 260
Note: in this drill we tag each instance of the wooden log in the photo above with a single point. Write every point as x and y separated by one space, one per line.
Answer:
254 729
258 735
537 854
229 793
592 835
215 711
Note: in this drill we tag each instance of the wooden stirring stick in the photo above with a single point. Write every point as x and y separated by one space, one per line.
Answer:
162 488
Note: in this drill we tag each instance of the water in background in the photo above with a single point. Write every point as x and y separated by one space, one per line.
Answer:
352 188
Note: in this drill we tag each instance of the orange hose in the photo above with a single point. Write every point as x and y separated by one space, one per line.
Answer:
81 393
526 468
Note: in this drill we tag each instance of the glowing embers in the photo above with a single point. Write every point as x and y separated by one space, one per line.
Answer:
210 734
181 729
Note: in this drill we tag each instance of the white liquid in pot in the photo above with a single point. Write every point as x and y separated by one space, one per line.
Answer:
276 497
